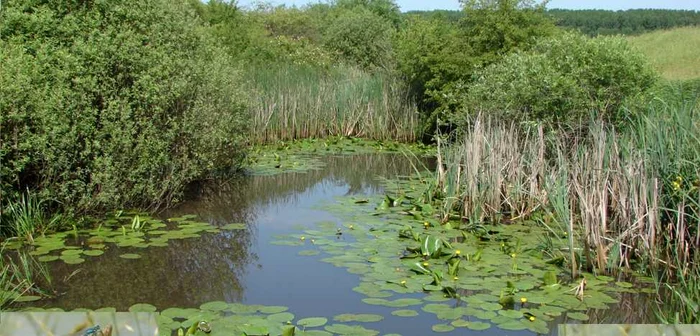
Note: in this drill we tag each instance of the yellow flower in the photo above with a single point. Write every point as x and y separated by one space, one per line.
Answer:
426 264
403 282
532 318
512 255
675 185
350 226
523 299
302 237
455 278
426 224
458 252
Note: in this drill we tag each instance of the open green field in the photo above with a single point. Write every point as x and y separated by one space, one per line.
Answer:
674 52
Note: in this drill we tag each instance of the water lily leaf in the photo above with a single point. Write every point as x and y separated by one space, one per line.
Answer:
142 308
71 252
312 322
513 325
71 260
405 313
281 317
514 314
358 318
234 226
577 316
130 256
214 306
376 301
273 309
460 323
478 325
624 284
442 328
47 258
93 253
255 330
343 329
312 333
490 306
405 302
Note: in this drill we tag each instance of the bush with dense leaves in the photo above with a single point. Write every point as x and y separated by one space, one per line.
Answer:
563 79
109 104
361 37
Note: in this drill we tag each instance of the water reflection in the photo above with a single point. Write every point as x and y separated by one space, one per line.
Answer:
215 267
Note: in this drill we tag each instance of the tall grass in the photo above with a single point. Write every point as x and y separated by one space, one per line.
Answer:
625 198
26 217
303 101
21 275
674 52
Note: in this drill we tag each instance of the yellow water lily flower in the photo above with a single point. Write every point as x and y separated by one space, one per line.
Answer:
458 252
523 299
532 318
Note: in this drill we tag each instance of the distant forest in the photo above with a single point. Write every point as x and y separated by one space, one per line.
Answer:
602 22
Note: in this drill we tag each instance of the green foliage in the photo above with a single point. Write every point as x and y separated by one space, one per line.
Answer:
361 37
563 79
628 22
440 58
26 217
113 104
498 27
387 9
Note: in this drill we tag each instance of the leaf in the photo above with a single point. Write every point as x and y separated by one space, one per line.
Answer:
142 308
577 316
443 328
281 317
358 318
272 309
234 226
431 246
478 325
214 306
312 322
130 256
405 313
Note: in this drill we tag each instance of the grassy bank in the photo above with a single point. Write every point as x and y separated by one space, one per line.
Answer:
674 52
621 199
305 101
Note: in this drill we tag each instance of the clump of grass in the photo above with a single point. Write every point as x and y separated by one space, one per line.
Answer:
21 275
27 217
304 101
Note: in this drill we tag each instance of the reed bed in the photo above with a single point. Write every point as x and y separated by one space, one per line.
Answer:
625 198
303 101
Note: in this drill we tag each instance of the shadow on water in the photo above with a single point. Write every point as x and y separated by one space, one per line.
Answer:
243 266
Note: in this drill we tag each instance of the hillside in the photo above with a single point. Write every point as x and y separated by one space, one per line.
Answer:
675 52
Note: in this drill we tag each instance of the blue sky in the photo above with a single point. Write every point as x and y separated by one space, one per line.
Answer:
573 4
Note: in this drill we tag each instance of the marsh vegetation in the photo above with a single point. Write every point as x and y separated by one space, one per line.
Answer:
558 172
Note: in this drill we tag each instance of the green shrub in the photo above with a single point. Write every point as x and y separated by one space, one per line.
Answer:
113 104
361 37
562 79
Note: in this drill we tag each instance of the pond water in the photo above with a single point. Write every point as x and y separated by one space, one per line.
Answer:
244 266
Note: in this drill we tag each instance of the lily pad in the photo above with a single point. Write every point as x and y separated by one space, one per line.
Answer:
142 308
358 318
214 306
577 316
478 325
343 329
405 313
312 322
281 317
443 328
273 309
47 258
130 256
234 226
93 253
